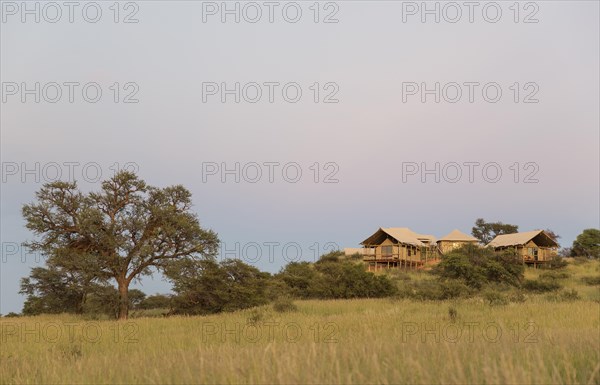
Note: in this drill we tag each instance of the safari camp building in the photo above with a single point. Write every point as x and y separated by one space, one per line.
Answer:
535 247
398 247
454 240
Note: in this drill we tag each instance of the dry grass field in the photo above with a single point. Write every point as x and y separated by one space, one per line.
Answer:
539 341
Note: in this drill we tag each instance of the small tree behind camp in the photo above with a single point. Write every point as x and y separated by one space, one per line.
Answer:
486 231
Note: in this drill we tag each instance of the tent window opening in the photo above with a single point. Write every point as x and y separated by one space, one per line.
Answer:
533 251
386 250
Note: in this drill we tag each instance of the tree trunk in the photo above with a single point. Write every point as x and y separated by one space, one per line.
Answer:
81 303
124 298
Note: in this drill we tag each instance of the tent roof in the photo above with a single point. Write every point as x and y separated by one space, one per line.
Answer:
517 239
427 237
400 234
457 235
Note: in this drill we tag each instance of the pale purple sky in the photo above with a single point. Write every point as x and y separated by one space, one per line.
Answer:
365 61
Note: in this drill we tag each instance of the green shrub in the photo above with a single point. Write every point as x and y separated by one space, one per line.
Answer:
207 286
580 260
477 267
541 285
495 298
404 290
157 301
564 296
397 274
428 291
570 295
355 257
555 275
556 262
454 289
458 266
284 305
150 313
333 256
593 280
334 278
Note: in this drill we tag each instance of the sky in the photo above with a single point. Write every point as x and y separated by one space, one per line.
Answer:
302 127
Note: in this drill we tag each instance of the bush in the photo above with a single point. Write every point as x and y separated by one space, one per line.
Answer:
564 296
208 286
557 262
333 256
587 244
150 313
332 278
399 275
593 280
284 305
517 297
477 267
454 289
458 266
403 290
299 278
157 301
495 298
12 315
541 285
555 275
570 295
427 290
580 260
355 257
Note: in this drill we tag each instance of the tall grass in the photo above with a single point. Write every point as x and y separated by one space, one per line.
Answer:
339 341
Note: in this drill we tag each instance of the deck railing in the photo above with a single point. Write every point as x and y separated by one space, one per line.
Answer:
401 257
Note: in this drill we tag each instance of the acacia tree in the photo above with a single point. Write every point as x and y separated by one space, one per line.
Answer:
128 229
587 244
486 231
63 285
52 290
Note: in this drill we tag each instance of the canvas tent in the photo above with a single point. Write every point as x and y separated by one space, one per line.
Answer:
535 247
454 240
398 246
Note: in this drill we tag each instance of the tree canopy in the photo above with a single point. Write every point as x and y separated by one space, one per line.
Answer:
587 244
121 232
486 231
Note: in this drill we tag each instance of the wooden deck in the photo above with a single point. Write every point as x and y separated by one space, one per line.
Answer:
379 262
